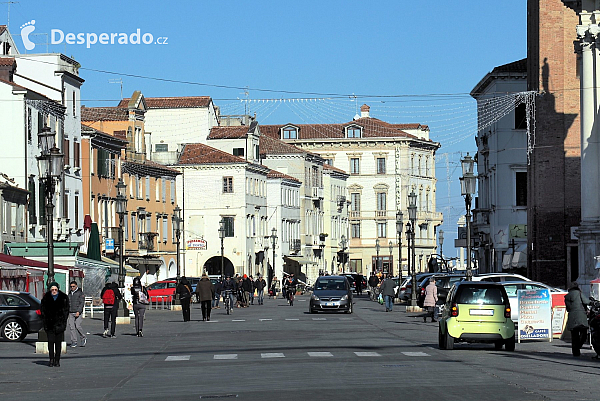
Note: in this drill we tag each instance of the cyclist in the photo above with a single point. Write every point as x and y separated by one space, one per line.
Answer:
229 288
290 289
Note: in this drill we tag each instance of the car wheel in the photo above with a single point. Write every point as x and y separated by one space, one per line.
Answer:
498 345
441 339
312 310
449 340
13 330
509 344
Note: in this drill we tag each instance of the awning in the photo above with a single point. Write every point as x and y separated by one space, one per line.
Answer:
301 260
507 259
520 257
132 260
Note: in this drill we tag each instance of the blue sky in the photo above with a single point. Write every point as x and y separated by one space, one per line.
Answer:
315 48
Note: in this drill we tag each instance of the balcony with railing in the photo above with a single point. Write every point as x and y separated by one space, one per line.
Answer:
380 214
295 245
354 214
317 193
146 241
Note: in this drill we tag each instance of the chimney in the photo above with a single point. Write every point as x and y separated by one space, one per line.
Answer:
8 66
364 111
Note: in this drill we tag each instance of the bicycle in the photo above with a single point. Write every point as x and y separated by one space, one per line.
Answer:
290 295
227 301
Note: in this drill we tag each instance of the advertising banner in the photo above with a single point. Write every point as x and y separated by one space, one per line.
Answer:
535 315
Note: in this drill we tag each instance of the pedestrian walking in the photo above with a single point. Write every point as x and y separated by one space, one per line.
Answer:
55 313
184 289
218 290
430 301
577 320
246 288
260 285
358 285
388 292
206 292
229 288
373 281
76 304
251 293
110 298
141 299
273 290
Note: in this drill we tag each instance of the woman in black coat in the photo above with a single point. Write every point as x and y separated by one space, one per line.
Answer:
55 312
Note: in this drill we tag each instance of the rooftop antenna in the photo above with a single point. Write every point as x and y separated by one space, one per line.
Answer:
247 95
8 17
117 81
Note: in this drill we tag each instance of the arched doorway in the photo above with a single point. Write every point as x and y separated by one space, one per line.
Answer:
213 266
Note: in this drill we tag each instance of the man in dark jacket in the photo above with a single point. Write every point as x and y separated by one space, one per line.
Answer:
251 293
206 292
55 313
246 288
184 289
110 297
76 304
260 285
218 289
577 320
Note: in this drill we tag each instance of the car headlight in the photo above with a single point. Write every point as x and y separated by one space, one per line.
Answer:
314 297
344 298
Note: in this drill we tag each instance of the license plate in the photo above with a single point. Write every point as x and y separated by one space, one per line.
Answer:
481 312
329 303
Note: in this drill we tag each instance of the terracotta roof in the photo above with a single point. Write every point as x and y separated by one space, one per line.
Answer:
198 153
7 61
269 145
15 85
228 132
332 168
371 128
515 66
104 114
277 174
182 102
148 167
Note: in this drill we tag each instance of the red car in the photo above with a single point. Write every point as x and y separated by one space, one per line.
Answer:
163 288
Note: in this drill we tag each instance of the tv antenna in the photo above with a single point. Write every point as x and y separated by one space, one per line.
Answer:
8 16
117 81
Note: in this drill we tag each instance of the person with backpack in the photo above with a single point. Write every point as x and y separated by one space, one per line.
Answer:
110 298
141 299
184 289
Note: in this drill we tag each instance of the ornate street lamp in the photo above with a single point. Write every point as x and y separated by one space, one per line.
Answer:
468 181
50 166
412 215
399 226
273 243
177 224
441 241
377 247
222 237
390 264
121 204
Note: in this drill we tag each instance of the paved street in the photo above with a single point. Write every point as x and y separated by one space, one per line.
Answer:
274 352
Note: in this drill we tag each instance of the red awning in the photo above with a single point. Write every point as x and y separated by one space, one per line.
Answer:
21 261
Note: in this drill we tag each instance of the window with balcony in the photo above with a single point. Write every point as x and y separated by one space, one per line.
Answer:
354 205
381 165
381 204
227 185
355 165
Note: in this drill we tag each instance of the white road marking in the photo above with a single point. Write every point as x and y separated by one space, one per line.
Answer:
319 318
301 300
346 318
262 320
226 356
238 320
318 354
367 354
416 354
178 358
272 355
292 319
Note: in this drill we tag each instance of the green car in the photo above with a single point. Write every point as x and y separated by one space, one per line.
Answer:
477 312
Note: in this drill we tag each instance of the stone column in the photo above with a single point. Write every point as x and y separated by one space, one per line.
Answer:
589 230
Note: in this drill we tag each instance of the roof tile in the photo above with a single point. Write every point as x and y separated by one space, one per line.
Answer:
277 174
104 114
228 132
181 102
198 153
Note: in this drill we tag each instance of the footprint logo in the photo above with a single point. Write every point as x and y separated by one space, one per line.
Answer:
26 29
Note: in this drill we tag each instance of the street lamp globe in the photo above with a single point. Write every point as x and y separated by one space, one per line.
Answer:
274 236
222 228
412 205
177 218
399 222
121 202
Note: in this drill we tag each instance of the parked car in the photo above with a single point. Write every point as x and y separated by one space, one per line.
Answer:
512 288
499 277
443 282
405 290
331 293
477 312
20 314
161 289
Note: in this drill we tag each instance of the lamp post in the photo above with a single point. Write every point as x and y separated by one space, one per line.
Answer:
222 237
50 166
343 243
121 205
399 226
177 223
441 240
377 247
273 243
467 188
390 264
412 215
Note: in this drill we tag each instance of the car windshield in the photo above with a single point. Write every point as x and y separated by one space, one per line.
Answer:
330 284
481 296
157 286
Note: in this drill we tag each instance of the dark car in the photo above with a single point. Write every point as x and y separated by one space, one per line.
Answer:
443 282
331 293
357 278
20 315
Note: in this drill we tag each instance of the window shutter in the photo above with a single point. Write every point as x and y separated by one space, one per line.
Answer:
126 228
165 225
172 191
31 207
147 187
41 204
164 189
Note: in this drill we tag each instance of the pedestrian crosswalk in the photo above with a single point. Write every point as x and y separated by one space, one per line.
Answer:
311 354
